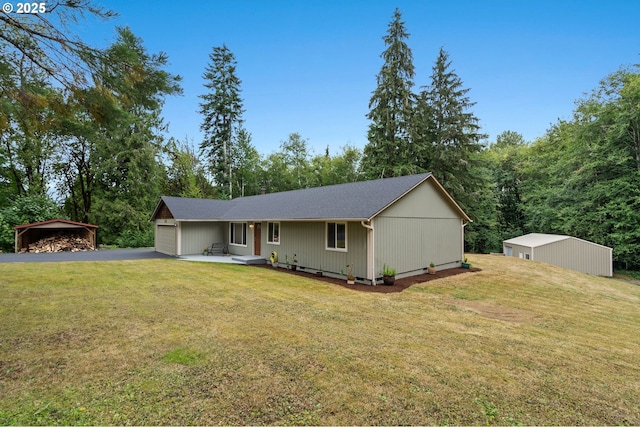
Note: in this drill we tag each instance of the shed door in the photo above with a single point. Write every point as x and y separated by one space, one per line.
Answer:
166 239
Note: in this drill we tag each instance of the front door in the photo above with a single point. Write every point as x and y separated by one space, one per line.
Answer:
257 238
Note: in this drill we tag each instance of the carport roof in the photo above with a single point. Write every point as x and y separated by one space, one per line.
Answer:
352 201
55 223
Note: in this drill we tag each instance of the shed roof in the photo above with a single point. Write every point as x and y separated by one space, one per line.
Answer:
533 240
352 201
55 223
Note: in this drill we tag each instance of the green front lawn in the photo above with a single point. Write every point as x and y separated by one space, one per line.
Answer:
174 342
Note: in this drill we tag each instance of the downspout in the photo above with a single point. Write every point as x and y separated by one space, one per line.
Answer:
371 253
464 224
178 238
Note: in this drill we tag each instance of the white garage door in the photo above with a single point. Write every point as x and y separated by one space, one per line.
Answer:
166 239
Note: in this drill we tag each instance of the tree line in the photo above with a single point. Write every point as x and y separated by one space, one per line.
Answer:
82 136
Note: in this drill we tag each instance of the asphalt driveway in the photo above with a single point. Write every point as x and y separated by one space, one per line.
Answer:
100 255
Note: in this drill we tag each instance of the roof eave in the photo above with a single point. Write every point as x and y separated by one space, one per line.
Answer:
294 219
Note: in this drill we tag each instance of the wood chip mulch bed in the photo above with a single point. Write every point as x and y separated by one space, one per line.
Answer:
399 286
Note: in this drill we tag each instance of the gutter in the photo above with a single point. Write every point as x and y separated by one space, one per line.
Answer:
371 253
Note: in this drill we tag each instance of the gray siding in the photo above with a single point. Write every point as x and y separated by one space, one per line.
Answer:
307 241
195 236
410 244
420 228
424 201
165 237
577 255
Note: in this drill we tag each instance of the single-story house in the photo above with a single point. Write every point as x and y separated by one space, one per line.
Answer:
562 251
404 222
31 233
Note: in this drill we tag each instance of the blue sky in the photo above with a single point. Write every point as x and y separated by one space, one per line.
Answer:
309 66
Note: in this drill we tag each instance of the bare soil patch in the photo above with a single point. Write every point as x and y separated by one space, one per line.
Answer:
399 286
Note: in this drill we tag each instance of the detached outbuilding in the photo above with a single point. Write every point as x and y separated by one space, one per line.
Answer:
562 251
29 234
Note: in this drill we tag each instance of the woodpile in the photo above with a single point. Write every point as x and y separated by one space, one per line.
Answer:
59 242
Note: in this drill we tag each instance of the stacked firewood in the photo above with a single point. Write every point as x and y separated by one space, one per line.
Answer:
60 243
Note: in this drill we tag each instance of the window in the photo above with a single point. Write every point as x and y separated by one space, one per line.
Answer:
274 233
337 236
238 233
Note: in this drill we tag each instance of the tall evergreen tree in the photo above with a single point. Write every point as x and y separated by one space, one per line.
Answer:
389 150
221 109
449 133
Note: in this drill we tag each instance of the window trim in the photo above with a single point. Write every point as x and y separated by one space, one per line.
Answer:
244 234
270 240
326 236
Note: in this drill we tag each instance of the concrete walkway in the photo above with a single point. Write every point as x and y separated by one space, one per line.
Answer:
209 258
233 259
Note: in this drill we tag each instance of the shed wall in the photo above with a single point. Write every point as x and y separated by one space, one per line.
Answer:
578 255
517 251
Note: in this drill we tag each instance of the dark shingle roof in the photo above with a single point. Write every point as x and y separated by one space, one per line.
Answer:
357 200
188 208
352 201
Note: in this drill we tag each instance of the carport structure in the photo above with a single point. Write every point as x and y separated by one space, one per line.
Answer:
30 233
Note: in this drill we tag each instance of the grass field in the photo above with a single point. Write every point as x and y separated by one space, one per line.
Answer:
169 342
